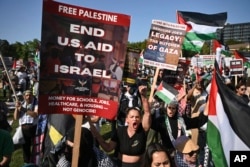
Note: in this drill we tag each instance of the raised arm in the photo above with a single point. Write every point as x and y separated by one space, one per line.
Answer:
146 119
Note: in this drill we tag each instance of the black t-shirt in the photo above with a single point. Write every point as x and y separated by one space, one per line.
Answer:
160 126
134 145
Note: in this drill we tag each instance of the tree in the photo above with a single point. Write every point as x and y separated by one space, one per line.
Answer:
4 47
138 45
19 50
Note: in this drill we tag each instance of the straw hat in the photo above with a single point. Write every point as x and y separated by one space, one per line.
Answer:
185 145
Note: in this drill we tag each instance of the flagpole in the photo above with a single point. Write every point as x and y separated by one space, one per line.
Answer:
153 85
77 139
8 76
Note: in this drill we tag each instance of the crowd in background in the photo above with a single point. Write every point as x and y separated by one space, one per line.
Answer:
144 133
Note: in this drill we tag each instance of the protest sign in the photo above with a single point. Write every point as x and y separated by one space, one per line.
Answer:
78 48
131 65
164 44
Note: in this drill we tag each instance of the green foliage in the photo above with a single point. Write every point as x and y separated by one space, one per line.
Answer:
4 46
232 42
138 45
19 50
206 49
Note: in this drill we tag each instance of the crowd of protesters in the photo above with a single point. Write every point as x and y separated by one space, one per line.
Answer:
179 131
23 81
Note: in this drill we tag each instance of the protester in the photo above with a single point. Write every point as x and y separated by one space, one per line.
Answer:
129 98
22 78
4 124
131 139
200 122
87 155
6 142
248 89
187 152
159 77
170 126
229 84
156 155
5 84
196 97
6 148
34 86
226 74
240 90
58 125
116 70
4 108
27 114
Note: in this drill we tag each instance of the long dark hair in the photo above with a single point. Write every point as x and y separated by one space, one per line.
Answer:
148 155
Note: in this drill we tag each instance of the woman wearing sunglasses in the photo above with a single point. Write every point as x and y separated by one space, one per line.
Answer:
187 152
240 89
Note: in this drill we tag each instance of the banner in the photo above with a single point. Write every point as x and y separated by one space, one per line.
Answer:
176 78
131 65
79 49
236 67
164 44
202 60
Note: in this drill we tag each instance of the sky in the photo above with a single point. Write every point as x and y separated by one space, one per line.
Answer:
20 21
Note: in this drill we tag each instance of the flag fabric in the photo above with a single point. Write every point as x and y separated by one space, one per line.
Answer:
166 92
141 58
200 27
39 139
228 122
37 57
58 126
14 66
217 44
238 55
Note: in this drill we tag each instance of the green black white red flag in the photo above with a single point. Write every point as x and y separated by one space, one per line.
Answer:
200 27
166 92
217 44
228 122
238 55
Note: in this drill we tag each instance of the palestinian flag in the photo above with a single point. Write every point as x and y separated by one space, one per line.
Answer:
166 92
217 44
141 58
200 27
238 55
14 65
37 57
228 122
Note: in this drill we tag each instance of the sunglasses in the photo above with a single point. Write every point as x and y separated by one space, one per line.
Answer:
242 89
193 152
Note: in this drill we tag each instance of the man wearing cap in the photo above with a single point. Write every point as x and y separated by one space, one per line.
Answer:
187 152
27 114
